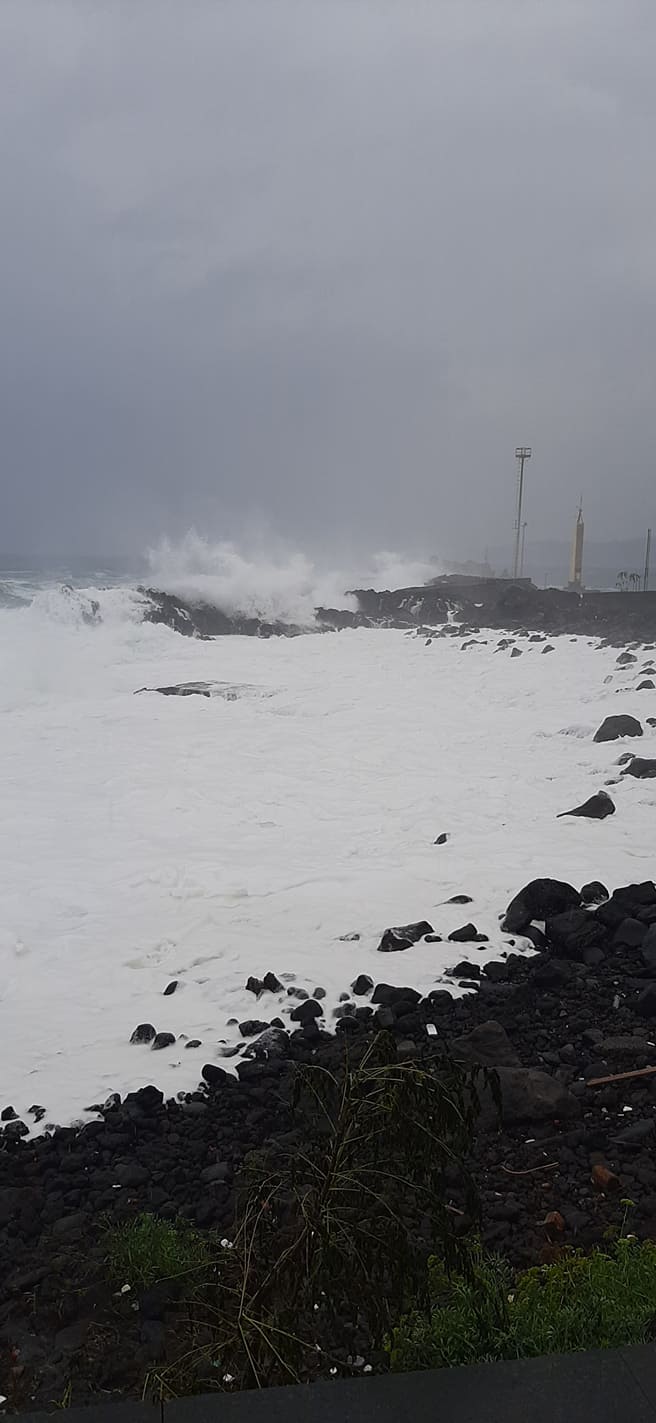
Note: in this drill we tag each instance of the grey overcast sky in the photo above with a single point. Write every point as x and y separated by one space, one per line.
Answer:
321 265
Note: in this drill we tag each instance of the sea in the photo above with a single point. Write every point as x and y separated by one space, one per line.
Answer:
146 840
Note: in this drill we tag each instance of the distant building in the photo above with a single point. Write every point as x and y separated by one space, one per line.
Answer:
576 564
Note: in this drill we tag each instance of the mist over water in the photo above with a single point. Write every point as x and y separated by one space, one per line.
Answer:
285 587
67 630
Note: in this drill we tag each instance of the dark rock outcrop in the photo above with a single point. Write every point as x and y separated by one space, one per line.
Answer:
615 727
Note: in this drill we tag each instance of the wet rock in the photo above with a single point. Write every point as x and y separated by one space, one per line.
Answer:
305 1012
597 807
433 939
630 934
348 1027
594 893
144 1033
213 1075
319 993
162 1040
616 726
623 1046
441 839
529 1095
625 658
8 1115
640 767
465 970
386 994
460 899
193 1042
488 1044
646 686
541 899
215 1174
553 973
395 940
549 648
574 932
349 938
362 985
274 1043
251 1027
170 988
147 1100
496 972
16 1129
468 934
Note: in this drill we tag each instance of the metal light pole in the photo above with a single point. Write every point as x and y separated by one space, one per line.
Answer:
521 561
647 553
522 454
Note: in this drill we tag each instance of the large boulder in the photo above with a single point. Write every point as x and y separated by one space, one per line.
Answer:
527 1095
541 899
616 726
487 1044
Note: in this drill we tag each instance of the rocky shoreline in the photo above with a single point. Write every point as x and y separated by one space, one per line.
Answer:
558 1170
455 607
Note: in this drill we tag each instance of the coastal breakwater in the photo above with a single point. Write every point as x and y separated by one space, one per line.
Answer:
495 603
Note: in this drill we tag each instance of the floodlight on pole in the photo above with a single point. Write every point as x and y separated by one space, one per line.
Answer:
522 454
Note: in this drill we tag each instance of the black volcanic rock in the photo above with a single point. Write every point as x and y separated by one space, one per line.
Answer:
575 931
596 808
594 893
487 1044
394 940
144 1033
616 726
541 899
640 767
468 934
362 986
162 1040
203 620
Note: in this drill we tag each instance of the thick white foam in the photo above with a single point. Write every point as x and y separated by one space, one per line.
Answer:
146 838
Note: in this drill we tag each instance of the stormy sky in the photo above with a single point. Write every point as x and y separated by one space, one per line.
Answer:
319 265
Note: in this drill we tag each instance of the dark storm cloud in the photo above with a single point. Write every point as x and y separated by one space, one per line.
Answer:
325 263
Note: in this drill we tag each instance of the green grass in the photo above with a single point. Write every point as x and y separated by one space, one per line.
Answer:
598 1301
144 1250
